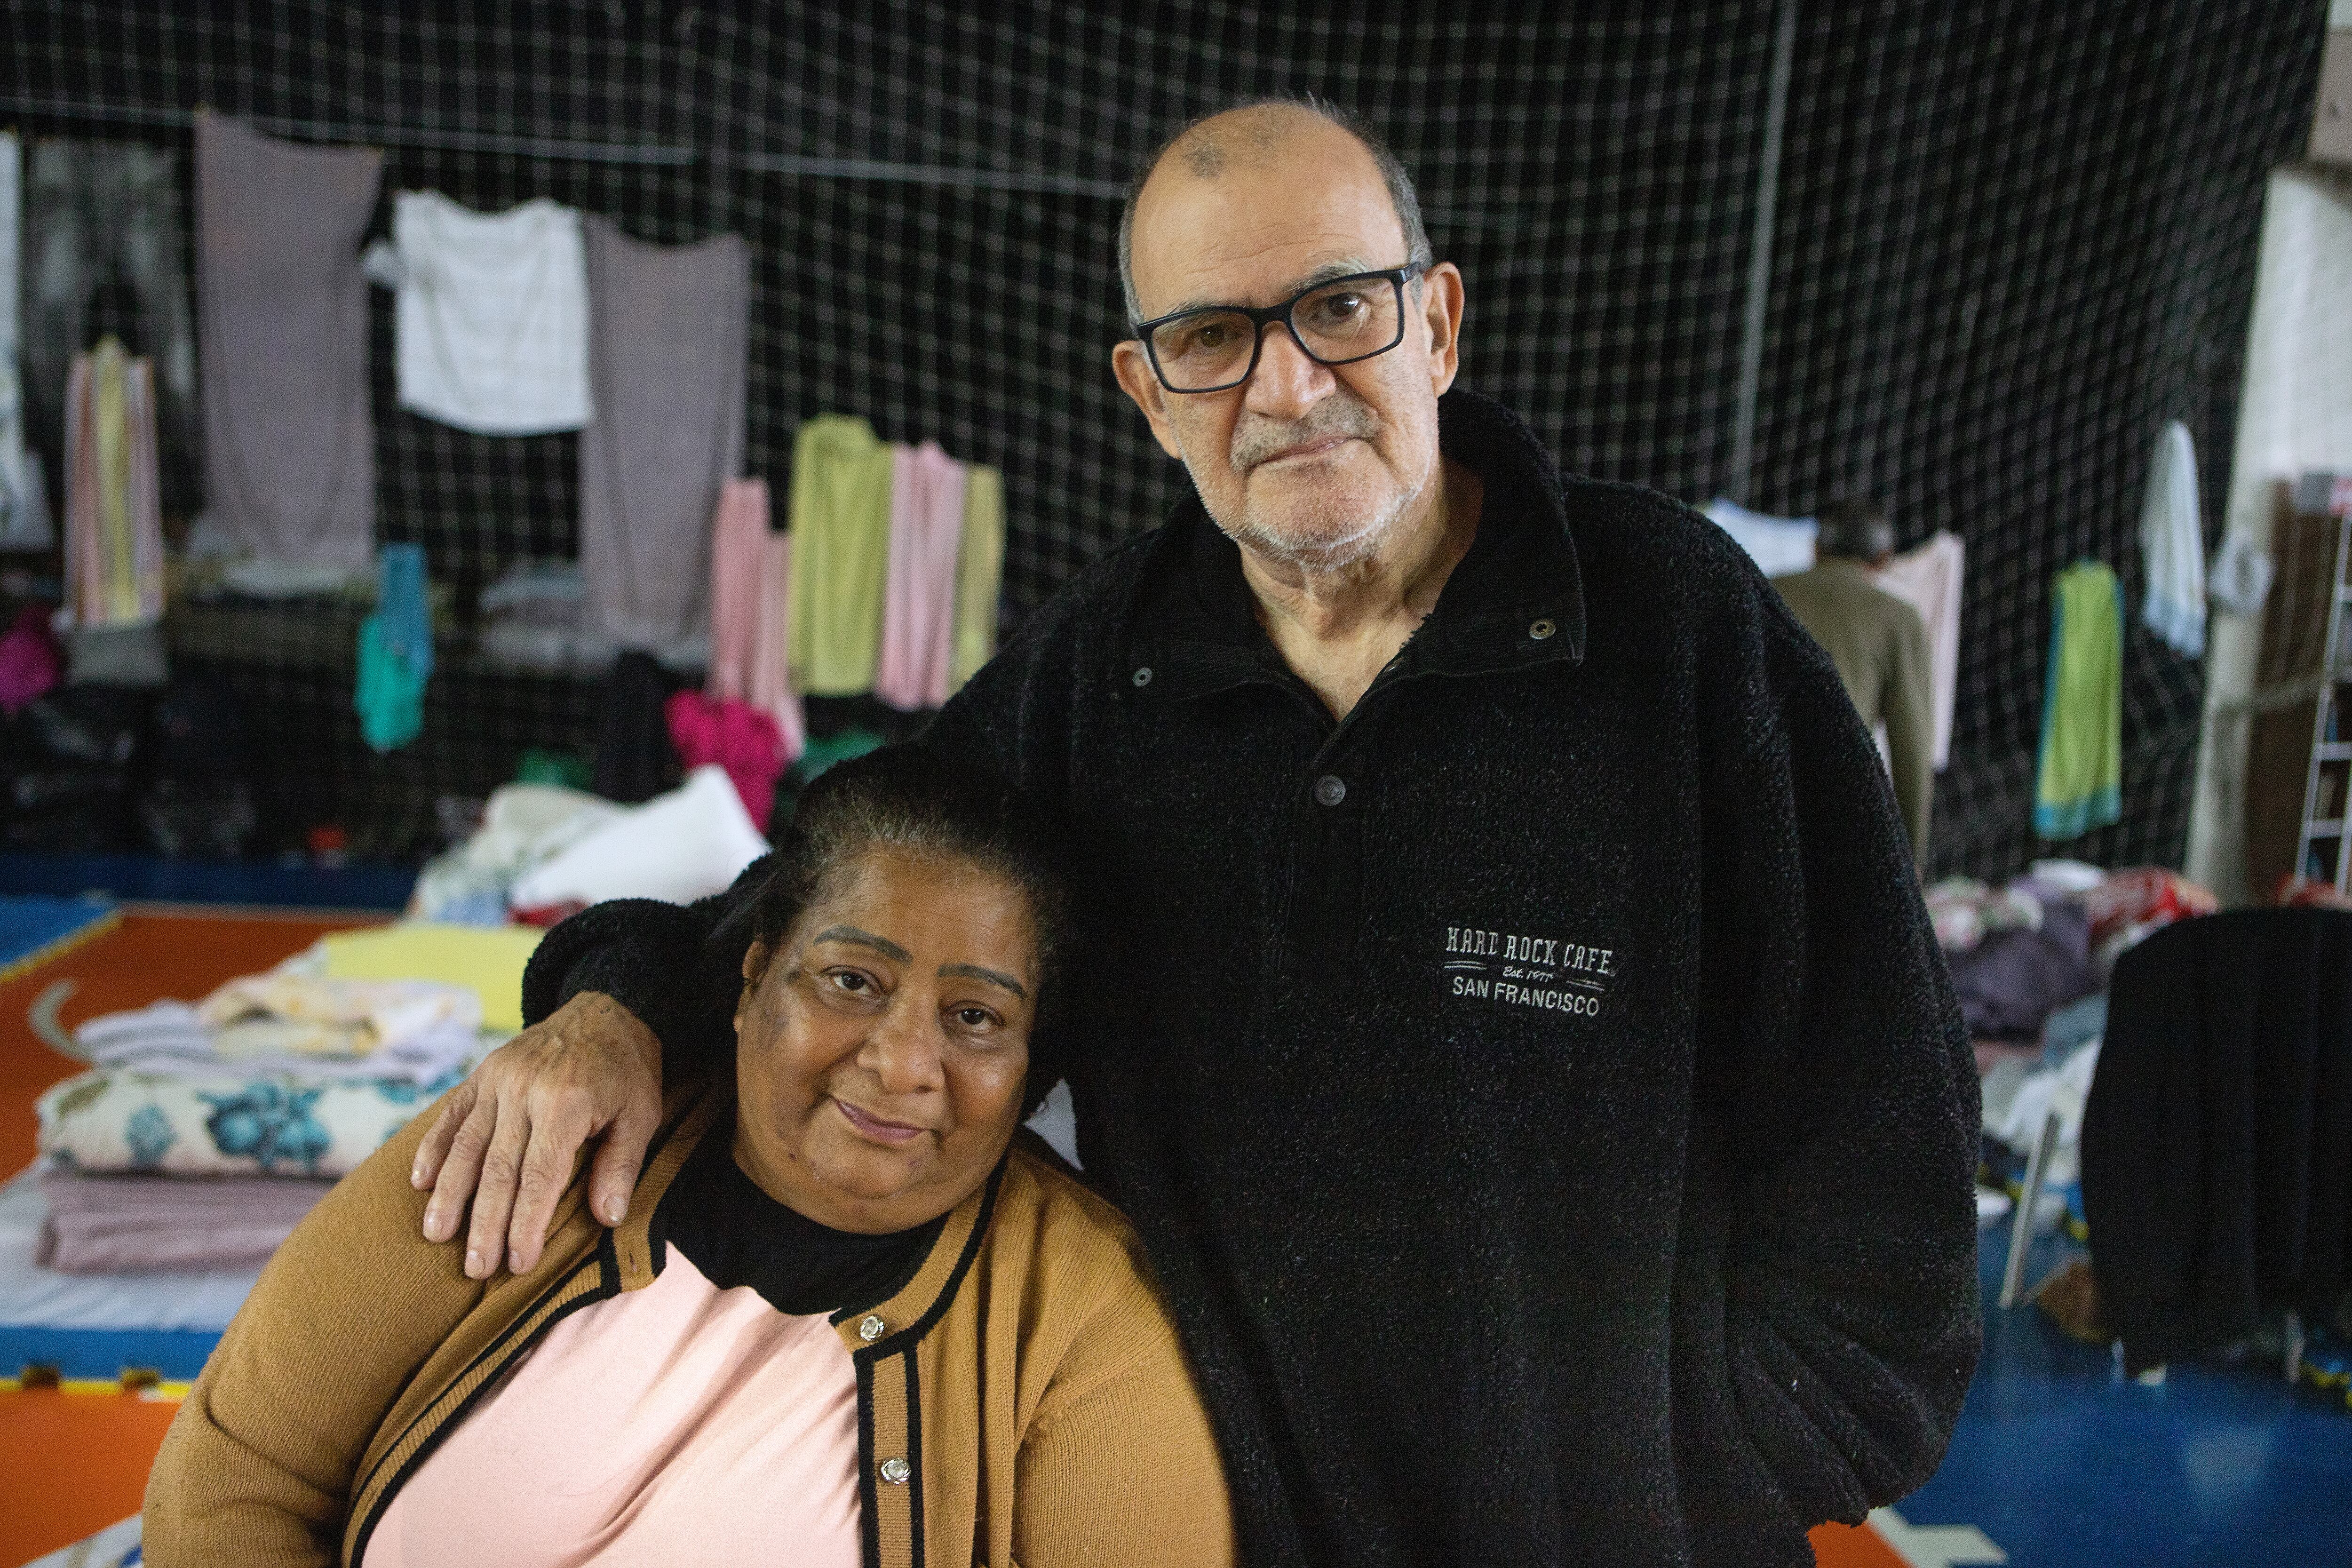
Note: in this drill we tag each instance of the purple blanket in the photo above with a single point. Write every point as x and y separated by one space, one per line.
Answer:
128 1225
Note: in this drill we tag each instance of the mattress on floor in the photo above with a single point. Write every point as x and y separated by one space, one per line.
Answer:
102 1325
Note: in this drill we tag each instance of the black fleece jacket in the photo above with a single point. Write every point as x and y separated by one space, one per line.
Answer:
1540 1092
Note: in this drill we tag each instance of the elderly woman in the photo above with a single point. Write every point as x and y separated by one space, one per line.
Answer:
854 1314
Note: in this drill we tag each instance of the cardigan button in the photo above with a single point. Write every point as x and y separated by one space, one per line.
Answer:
1541 630
872 1329
895 1471
1143 676
1330 790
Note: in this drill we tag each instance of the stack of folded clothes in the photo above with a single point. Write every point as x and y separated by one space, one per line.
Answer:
203 1135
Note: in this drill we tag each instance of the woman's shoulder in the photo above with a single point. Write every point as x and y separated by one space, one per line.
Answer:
1050 1220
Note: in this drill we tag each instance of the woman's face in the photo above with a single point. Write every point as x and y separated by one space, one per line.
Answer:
881 1048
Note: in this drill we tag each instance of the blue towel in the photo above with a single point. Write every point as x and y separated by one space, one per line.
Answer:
396 652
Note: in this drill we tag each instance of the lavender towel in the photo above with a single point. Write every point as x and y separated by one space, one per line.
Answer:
128 1225
668 338
289 448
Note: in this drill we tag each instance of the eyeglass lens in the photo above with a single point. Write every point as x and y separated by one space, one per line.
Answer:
1342 322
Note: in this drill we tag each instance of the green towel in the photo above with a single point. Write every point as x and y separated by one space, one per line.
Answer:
979 572
2081 782
840 524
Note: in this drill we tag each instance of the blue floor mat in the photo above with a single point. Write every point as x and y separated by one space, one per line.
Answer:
30 924
2066 1463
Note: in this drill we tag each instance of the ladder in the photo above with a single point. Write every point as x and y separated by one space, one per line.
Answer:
2329 706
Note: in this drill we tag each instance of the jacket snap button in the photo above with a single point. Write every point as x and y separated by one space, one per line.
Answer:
871 1330
1330 791
1143 676
895 1471
1541 629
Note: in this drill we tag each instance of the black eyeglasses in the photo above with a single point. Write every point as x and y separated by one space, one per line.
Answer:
1340 321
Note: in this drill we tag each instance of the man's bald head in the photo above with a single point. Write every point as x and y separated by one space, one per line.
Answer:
1254 134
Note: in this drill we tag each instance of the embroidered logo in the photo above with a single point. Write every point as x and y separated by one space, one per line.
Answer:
1523 969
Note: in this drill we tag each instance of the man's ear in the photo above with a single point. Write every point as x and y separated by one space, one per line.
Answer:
1133 367
1442 307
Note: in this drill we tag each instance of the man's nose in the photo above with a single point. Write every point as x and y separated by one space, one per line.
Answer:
1288 381
903 1052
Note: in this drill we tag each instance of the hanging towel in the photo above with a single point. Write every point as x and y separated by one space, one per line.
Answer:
2240 578
2080 786
1928 580
1780 546
840 551
114 522
289 448
750 574
979 573
668 335
105 217
2172 542
927 499
24 503
492 322
396 652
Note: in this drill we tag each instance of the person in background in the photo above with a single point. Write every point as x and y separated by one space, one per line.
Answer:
1509 1013
1879 646
856 1317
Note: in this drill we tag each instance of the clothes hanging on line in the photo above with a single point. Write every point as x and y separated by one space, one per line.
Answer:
396 652
2172 544
840 524
491 325
105 216
926 514
290 446
114 519
750 575
979 573
23 498
669 343
1928 579
734 736
2079 784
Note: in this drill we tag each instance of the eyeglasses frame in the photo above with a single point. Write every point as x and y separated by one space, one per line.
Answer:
1263 316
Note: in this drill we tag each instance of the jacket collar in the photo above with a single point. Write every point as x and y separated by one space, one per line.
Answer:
701 1111
1516 599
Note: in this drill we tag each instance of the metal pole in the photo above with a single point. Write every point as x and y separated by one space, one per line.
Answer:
1760 255
2020 1229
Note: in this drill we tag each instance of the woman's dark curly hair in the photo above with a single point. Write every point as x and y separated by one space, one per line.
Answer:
911 799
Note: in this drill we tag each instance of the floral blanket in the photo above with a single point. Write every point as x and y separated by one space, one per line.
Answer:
232 1124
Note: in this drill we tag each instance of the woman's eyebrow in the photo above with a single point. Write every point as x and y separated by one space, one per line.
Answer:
974 971
856 938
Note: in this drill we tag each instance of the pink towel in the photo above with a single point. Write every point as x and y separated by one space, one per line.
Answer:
919 599
737 737
29 664
750 571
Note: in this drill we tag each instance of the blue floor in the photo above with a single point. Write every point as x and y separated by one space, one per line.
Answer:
148 876
30 924
2064 1463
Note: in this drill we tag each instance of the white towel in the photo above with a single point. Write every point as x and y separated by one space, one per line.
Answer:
1928 580
24 504
2172 541
1780 546
493 315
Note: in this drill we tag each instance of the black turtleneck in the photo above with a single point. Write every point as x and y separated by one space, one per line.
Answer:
737 1236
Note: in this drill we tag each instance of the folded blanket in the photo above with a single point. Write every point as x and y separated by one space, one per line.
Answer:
171 1037
128 1225
228 1124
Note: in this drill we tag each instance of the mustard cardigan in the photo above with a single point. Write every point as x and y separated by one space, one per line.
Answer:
1023 1400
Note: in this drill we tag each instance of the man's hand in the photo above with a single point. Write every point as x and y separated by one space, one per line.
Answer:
511 1135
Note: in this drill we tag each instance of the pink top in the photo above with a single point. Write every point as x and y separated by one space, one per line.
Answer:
678 1423
926 489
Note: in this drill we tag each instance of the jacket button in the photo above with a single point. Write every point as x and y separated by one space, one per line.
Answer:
1143 676
895 1471
1540 630
1330 790
871 1330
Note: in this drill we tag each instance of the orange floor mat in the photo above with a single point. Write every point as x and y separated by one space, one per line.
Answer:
1844 1546
74 1463
71 1464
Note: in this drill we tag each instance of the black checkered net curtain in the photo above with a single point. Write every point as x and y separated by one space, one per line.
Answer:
2012 239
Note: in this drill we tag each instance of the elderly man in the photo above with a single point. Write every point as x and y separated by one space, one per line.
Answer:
1507 1013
